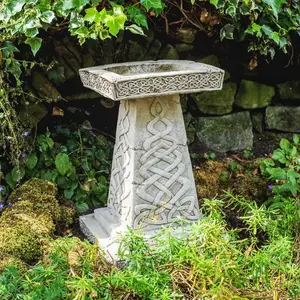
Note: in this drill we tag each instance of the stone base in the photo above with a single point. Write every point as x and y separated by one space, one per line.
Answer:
104 227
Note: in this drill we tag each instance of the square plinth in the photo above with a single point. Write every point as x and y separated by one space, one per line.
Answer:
151 78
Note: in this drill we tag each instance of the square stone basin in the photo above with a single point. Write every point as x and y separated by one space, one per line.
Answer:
151 78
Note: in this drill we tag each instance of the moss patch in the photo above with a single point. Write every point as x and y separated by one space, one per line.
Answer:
12 261
30 220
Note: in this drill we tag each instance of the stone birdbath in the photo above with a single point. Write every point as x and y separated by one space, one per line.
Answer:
152 182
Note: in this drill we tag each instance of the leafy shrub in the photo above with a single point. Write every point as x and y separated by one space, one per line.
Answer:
283 168
76 159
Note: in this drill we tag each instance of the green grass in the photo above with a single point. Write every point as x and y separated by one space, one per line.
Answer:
258 261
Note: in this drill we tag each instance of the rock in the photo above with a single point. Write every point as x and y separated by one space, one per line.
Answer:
135 51
88 61
216 102
30 115
283 118
254 95
257 121
183 47
213 61
84 96
226 133
70 58
210 60
57 75
153 51
190 127
169 52
30 220
289 90
186 35
44 88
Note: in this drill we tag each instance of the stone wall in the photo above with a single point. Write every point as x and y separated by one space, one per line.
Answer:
266 99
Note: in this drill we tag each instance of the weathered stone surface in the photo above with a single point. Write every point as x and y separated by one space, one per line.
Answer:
289 90
152 181
226 133
190 127
183 47
30 115
257 121
169 52
283 118
84 96
216 102
135 51
254 95
153 50
45 89
151 78
186 35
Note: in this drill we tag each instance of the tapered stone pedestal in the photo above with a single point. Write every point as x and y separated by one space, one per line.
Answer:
152 183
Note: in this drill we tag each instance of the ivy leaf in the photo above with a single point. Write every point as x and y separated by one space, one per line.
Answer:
35 43
78 4
148 4
8 48
135 29
91 14
275 5
48 16
62 163
135 14
227 32
214 2
16 6
115 21
31 161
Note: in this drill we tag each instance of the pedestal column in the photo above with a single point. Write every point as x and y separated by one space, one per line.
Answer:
152 182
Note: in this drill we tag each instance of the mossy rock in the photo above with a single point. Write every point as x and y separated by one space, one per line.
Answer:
68 214
11 261
225 133
44 88
254 95
41 193
31 215
20 241
30 115
283 118
289 90
216 102
169 52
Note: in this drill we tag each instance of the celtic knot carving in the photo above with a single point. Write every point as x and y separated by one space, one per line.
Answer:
169 84
165 190
119 191
97 83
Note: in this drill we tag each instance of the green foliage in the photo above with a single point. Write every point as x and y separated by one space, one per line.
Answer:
211 262
267 25
283 168
78 161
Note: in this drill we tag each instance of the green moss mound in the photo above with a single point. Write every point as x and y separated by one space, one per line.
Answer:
10 261
31 219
